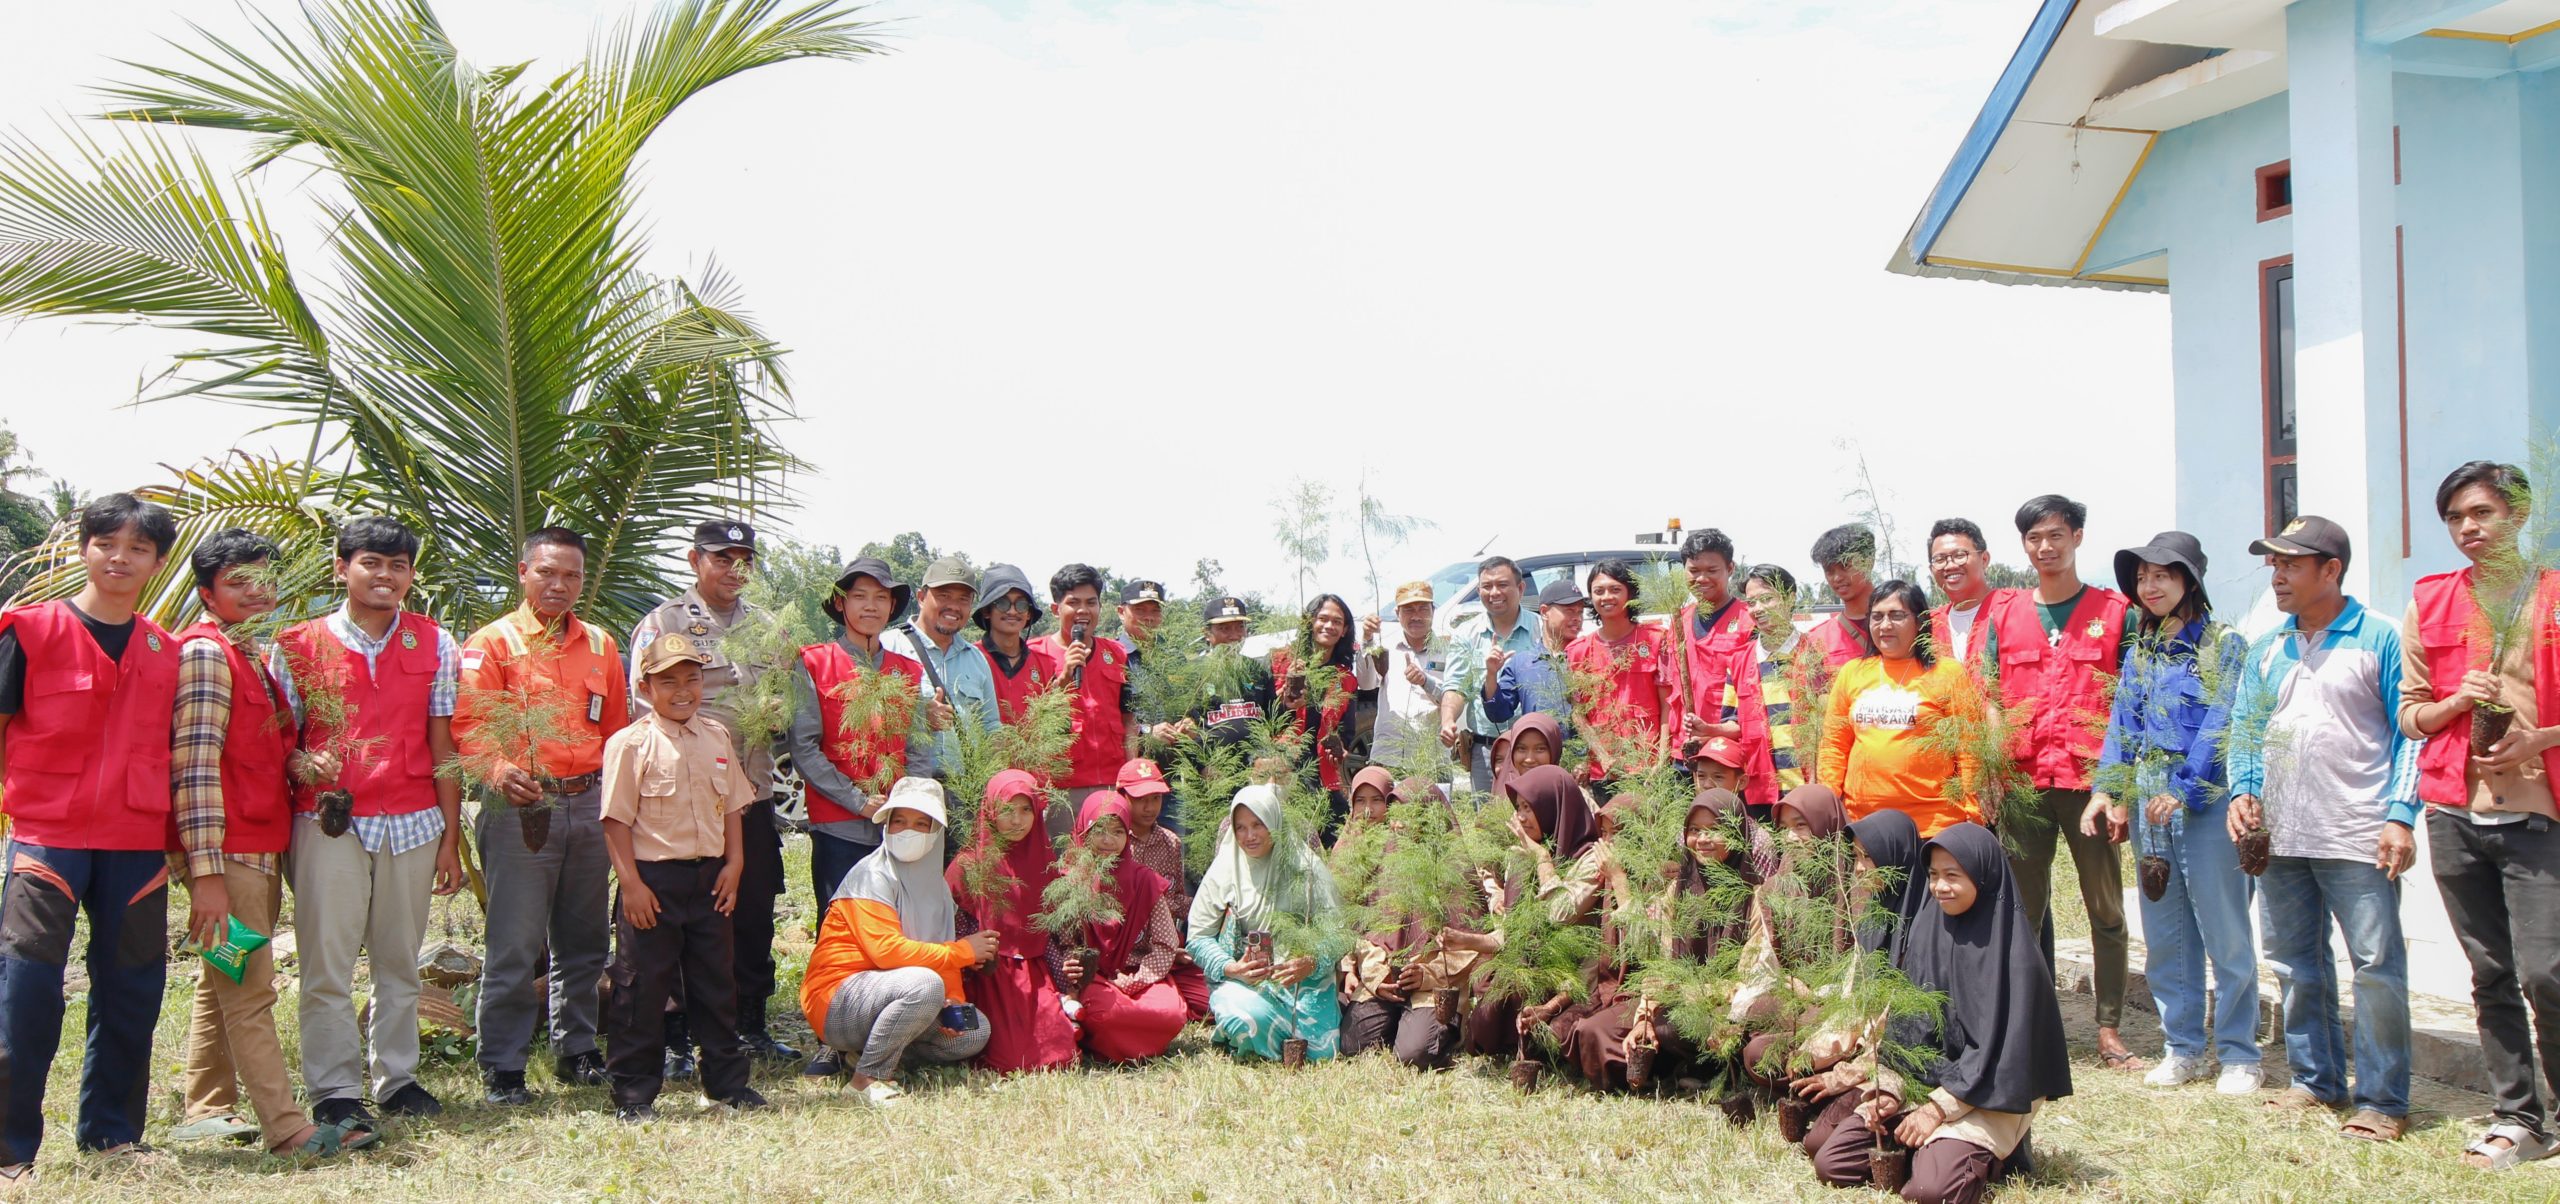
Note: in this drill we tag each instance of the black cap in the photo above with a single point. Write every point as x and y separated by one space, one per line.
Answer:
2309 535
877 570
723 533
1002 579
2166 548
1561 592
1225 609
1141 591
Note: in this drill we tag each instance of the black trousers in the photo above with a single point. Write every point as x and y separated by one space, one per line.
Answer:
692 940
2501 888
759 884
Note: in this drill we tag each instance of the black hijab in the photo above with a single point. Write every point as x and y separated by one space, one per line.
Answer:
1748 854
1892 841
1564 812
2000 1044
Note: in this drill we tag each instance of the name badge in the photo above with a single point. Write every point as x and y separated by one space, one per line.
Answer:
595 708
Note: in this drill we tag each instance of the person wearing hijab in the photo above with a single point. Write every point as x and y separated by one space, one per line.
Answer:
1131 1009
998 884
1877 753
1813 863
1891 880
1257 876
1993 1058
1532 740
1554 821
1373 1004
883 986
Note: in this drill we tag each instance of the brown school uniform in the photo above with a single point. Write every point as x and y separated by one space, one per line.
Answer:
675 784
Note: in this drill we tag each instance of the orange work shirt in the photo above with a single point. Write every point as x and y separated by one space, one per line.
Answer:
580 667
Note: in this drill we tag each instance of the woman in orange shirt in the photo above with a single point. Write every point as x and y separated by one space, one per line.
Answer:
884 981
1877 750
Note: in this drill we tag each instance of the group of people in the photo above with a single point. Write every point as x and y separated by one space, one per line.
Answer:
627 833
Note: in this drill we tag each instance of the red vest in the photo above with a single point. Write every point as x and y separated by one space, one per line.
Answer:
1629 704
1101 727
257 805
2070 682
1841 642
1014 691
383 758
862 756
1724 660
2449 625
87 760
1943 640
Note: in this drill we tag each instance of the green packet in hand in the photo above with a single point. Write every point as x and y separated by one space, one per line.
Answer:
231 957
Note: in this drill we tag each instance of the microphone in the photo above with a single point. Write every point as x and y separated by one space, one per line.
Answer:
1080 634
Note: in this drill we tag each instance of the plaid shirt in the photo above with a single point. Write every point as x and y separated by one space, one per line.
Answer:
378 833
203 719
1160 850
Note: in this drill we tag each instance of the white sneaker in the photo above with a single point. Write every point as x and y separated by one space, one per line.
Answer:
2174 1070
2241 1080
882 1093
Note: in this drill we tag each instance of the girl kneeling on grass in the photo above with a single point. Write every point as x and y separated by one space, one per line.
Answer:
1132 1010
1256 878
1553 819
883 985
1995 1057
997 884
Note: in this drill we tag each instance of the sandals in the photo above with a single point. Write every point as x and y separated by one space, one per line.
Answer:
2124 1059
2523 1145
329 1141
218 1127
2298 1099
2369 1125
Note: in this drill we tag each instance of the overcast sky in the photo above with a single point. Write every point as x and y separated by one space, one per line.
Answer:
1096 279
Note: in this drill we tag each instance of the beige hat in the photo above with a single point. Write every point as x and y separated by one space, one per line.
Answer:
1413 591
669 650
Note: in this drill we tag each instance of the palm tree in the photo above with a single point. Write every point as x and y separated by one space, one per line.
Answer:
484 357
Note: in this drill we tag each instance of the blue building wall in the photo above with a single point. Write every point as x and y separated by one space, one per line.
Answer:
2479 207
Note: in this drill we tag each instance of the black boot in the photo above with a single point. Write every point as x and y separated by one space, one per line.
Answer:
680 1063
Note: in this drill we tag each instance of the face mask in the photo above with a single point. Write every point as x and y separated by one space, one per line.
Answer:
911 845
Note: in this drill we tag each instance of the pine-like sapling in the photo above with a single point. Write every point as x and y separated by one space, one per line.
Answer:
1076 900
510 725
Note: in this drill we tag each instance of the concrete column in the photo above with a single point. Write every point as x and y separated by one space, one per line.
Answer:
2345 298
2539 102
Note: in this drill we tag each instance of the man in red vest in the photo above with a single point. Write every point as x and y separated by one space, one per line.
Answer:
2059 648
1097 671
1846 554
2490 837
86 692
1961 561
234 812
845 774
376 831
1720 643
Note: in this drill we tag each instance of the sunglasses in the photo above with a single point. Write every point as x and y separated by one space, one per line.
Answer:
1010 606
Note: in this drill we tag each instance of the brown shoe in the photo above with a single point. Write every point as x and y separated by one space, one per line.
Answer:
2369 1125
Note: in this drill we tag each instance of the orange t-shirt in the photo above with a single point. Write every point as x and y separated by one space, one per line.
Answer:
1872 750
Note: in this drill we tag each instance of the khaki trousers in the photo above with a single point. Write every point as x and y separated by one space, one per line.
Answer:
231 1034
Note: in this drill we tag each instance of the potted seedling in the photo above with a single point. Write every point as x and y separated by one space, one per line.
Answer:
510 725
1078 898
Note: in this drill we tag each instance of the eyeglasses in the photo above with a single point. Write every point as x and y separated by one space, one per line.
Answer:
1949 560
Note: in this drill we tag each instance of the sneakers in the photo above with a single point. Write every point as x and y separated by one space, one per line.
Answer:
343 1112
761 1046
2241 1080
506 1087
745 1099
582 1070
882 1093
413 1100
2174 1070
826 1064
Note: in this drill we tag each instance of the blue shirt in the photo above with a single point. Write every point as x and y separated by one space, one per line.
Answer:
1467 679
2315 736
963 672
2172 712
1530 681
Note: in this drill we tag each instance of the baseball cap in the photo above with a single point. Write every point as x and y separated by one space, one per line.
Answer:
1562 592
920 795
723 533
668 651
1139 776
877 570
2309 535
1413 591
1728 753
1141 591
1226 609
950 570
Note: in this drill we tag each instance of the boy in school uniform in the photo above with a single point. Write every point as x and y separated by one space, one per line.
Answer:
674 798
87 689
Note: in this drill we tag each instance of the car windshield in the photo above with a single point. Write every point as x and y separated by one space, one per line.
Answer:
1453 581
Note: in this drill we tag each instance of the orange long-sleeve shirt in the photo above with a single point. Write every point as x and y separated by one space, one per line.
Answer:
863 934
1872 750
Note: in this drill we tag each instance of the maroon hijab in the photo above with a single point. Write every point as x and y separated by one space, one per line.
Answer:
1026 861
1563 811
1137 887
1535 721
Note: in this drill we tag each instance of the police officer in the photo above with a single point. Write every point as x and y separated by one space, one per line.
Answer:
723 557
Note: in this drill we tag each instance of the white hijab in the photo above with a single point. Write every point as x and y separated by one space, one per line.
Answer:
1246 890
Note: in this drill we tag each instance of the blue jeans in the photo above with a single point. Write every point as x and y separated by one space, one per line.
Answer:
2299 897
2203 917
126 894
830 859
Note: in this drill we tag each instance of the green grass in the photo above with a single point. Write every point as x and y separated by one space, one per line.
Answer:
1198 1126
